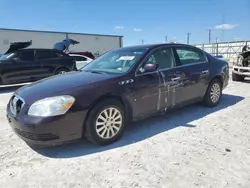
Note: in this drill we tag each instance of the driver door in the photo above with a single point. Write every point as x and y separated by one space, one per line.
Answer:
153 90
146 94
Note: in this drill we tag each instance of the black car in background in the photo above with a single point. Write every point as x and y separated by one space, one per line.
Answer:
21 64
122 85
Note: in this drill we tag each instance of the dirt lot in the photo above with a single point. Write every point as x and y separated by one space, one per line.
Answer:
192 147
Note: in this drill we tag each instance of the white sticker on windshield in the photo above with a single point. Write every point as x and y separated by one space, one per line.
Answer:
129 58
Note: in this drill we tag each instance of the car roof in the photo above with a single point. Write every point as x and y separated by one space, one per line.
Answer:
151 46
40 49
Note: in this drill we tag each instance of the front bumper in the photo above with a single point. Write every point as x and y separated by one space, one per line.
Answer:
244 71
51 131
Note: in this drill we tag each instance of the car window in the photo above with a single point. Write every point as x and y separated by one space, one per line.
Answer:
190 56
164 58
26 55
79 58
7 56
45 55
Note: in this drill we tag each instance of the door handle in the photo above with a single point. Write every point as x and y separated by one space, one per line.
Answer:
176 78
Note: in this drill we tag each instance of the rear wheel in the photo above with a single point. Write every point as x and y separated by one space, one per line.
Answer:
62 71
236 77
213 94
105 122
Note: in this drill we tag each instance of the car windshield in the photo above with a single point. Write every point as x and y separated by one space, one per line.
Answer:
115 61
6 56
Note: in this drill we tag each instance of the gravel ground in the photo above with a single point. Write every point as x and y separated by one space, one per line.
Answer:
192 147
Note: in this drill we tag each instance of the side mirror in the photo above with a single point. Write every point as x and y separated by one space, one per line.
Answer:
149 67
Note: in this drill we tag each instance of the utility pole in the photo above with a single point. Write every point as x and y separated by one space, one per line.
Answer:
188 37
209 36
166 39
223 30
142 41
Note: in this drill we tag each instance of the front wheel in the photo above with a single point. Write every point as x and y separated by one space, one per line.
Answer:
105 122
213 94
61 71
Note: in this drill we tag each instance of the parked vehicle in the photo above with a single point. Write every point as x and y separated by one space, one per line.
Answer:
81 60
87 54
241 68
125 84
64 46
21 64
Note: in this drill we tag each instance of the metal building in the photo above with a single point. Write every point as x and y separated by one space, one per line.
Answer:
95 43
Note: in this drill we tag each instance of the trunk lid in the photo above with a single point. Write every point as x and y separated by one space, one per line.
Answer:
18 45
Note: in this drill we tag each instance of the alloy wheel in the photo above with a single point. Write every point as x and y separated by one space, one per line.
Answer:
215 92
108 123
62 72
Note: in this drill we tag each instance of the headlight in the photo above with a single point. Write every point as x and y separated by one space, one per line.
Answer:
51 106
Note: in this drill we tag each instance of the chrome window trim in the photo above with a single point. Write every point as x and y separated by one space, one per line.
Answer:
158 48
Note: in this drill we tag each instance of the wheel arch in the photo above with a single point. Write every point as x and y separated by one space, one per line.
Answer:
219 77
127 107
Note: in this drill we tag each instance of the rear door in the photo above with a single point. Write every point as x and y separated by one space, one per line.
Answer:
47 61
194 68
20 68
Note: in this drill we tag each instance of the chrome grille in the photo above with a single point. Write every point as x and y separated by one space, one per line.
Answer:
16 104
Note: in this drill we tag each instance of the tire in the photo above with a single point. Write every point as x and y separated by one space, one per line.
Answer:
61 71
213 94
237 78
107 127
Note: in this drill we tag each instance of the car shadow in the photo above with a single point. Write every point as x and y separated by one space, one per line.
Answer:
10 89
142 130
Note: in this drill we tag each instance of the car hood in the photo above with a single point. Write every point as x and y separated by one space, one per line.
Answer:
18 45
64 45
60 84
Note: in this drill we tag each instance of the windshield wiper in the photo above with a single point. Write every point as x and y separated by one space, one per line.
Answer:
95 71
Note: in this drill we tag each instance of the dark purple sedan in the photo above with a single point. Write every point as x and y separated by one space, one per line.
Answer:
123 85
